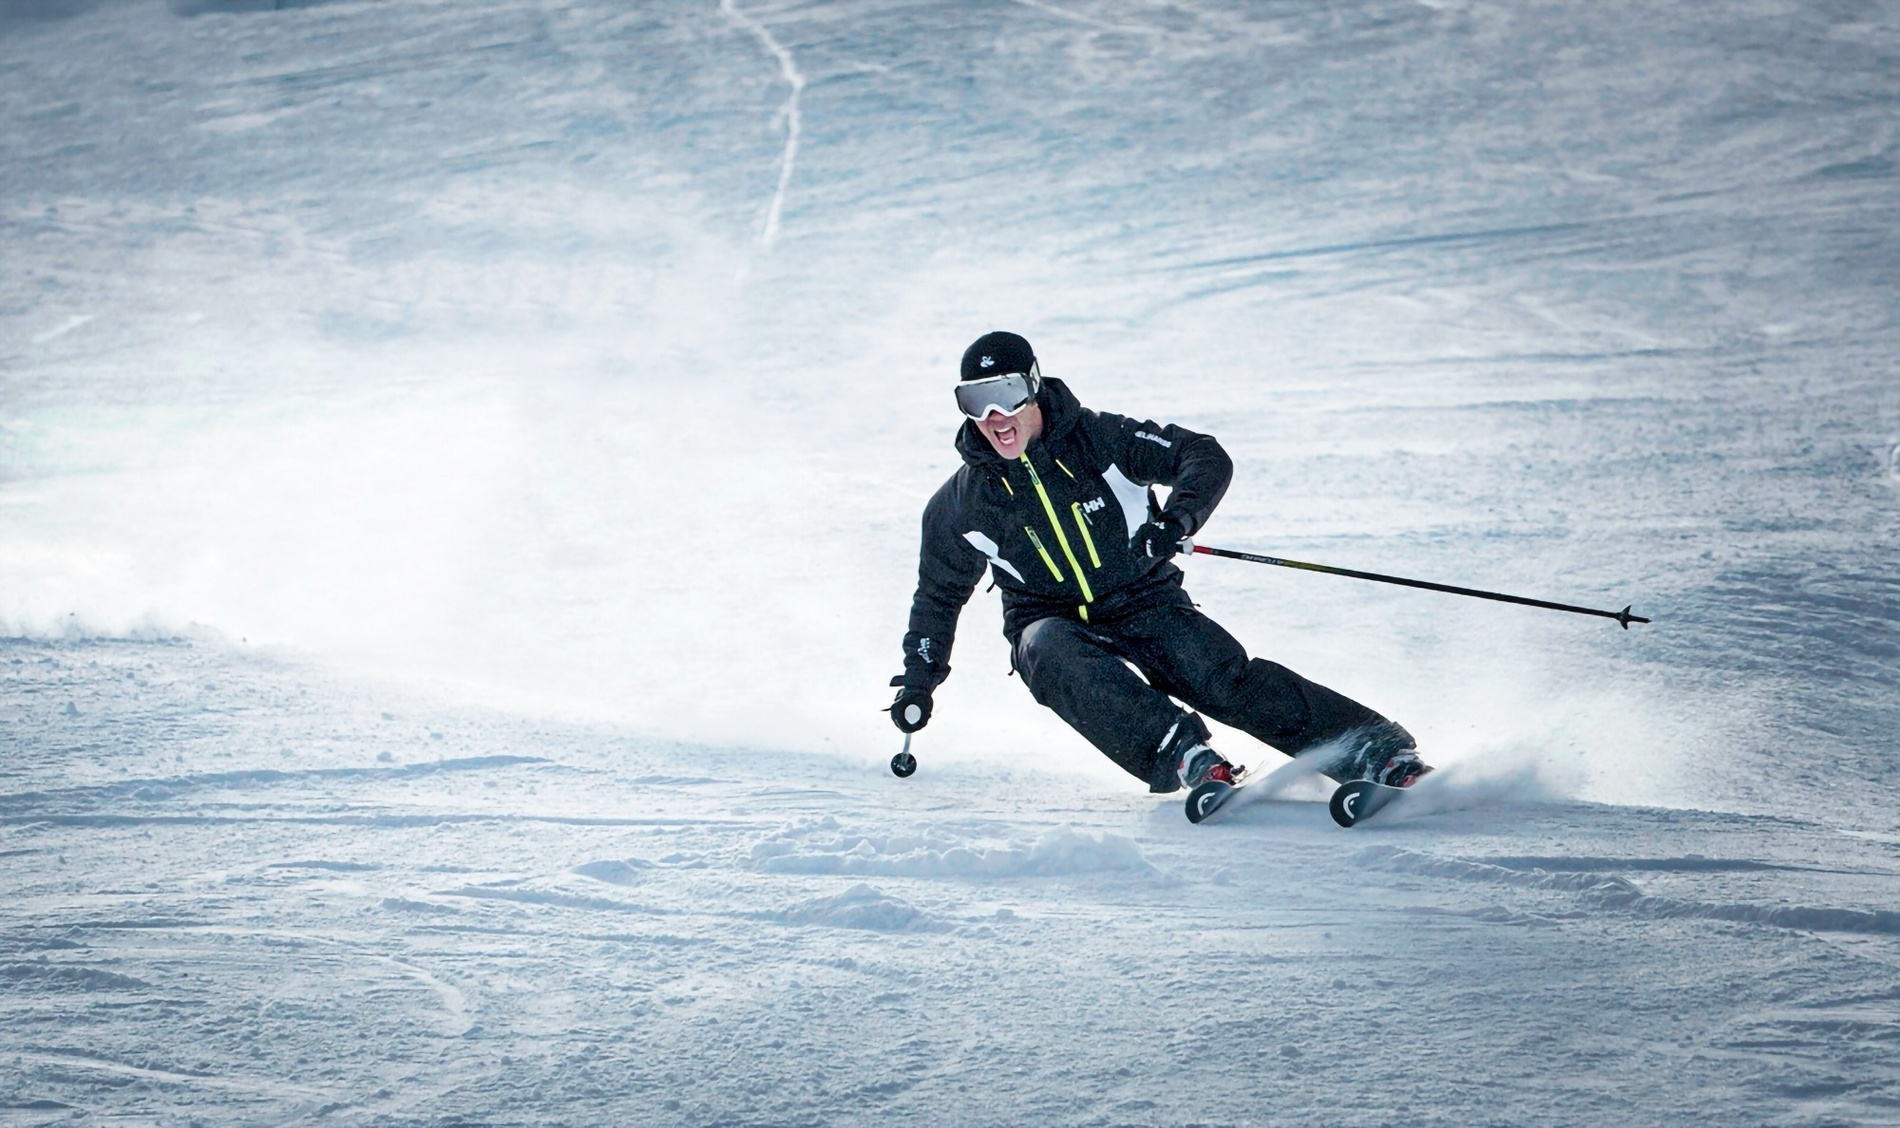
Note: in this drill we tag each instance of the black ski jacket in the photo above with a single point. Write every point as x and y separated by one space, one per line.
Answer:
1054 526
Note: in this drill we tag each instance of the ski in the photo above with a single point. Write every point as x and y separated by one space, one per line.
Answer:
1352 802
1213 795
1360 799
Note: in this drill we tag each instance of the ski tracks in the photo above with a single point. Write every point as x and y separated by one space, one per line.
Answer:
1600 886
1072 16
788 70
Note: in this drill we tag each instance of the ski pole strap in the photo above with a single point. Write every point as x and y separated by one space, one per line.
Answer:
1623 617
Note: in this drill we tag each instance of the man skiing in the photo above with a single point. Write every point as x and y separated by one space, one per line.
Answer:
1054 500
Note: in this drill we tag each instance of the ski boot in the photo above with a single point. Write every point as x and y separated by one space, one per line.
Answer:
1402 769
1382 752
1201 764
1211 780
1207 775
1185 760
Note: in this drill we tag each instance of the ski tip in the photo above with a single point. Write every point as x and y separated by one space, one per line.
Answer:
1358 800
1206 799
1348 802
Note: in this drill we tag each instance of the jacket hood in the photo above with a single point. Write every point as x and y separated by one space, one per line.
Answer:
1061 411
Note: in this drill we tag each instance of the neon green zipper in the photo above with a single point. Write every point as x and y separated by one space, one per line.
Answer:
1082 523
1046 558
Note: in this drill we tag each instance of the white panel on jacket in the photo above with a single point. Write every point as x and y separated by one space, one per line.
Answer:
989 548
1133 498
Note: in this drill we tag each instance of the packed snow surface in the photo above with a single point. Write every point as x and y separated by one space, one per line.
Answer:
459 477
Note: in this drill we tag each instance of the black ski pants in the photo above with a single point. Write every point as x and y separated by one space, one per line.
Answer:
1081 670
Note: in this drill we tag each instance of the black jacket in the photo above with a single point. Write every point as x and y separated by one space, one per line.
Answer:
1053 527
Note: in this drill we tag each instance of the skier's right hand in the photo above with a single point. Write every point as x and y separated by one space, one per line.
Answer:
911 710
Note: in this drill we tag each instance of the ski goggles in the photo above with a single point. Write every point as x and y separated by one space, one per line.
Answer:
1008 393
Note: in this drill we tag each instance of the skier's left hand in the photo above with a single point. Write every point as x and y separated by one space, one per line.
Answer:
1160 538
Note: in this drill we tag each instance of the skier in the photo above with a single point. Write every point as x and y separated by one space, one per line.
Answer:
1053 498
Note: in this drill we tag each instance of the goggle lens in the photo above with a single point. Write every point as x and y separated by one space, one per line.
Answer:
1008 393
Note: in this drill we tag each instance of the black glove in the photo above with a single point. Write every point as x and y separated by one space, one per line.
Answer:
911 710
1161 537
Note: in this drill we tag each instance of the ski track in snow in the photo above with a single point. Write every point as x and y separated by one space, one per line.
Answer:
1082 18
788 70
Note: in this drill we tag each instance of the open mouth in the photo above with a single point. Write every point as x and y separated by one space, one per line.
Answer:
1006 435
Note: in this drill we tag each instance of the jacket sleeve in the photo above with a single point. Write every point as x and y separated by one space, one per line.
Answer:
948 569
1192 465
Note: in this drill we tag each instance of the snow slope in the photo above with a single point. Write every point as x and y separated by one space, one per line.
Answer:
459 467
241 892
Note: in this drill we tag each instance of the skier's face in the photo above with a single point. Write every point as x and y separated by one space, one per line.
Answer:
1010 434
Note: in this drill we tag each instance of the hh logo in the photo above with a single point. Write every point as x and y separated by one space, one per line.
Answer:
1092 506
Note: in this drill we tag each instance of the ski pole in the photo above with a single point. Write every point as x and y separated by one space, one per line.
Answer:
1623 617
903 764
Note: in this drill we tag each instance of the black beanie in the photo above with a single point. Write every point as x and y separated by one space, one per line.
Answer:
996 353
